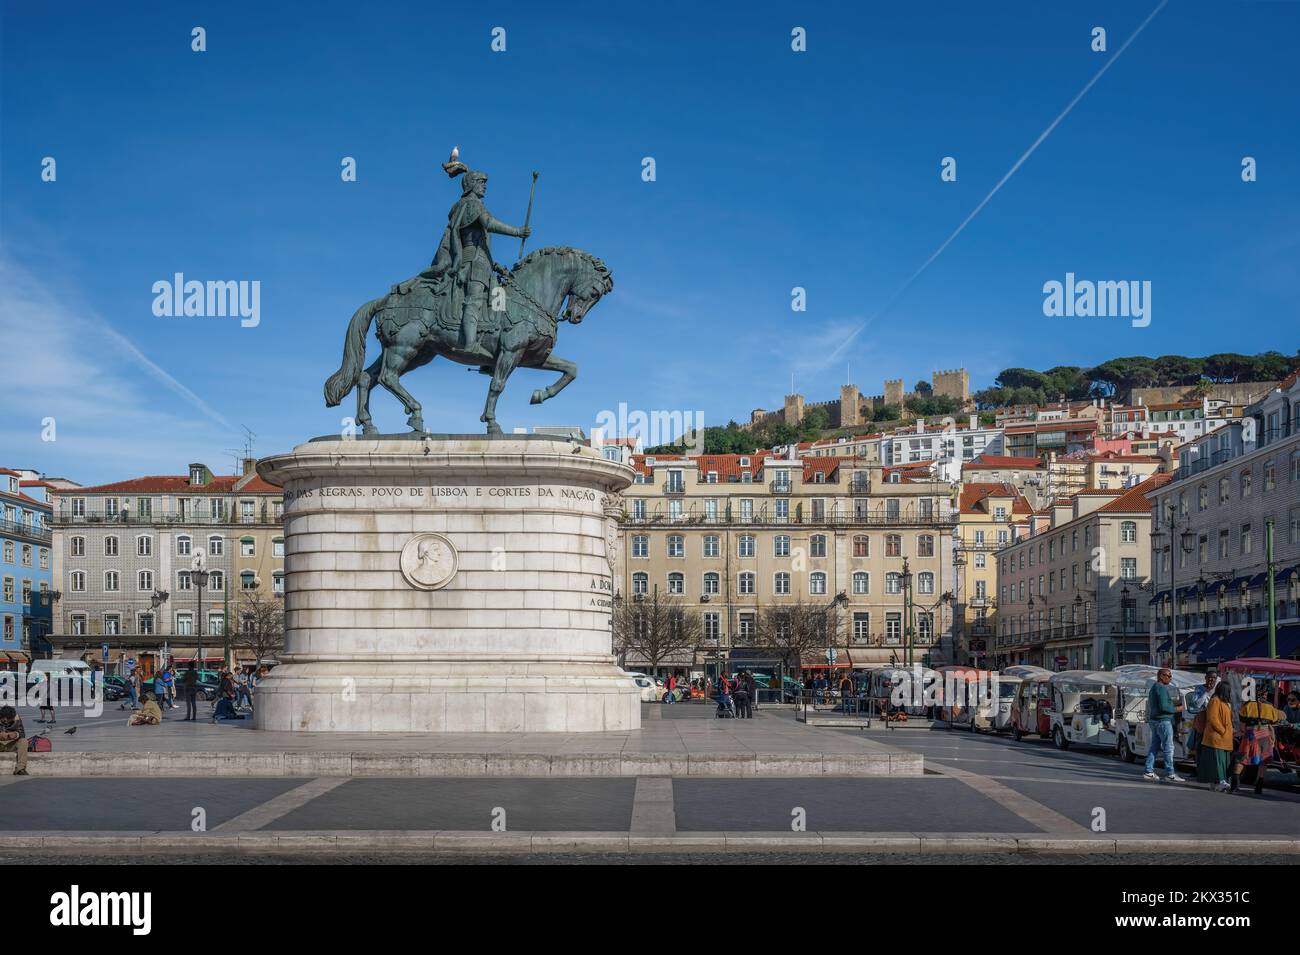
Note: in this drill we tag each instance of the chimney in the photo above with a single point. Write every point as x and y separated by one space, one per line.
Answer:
974 421
250 465
920 426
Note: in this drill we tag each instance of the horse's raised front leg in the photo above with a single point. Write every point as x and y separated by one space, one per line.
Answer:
507 362
364 381
396 360
569 371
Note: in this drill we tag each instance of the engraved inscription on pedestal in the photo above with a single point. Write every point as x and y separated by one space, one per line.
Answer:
428 561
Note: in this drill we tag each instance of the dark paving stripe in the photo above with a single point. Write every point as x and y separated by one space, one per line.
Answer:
1185 808
838 805
104 803
577 805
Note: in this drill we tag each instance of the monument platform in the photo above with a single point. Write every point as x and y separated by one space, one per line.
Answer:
770 745
453 584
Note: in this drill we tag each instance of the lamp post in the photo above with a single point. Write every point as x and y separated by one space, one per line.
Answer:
906 578
1187 540
199 575
156 600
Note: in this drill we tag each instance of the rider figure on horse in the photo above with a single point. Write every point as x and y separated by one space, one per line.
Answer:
463 266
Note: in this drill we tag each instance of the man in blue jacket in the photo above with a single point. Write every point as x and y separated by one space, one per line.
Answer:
1163 704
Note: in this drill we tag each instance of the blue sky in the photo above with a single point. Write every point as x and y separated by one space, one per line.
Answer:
775 169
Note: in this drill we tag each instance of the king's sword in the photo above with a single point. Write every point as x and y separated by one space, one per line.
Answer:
529 214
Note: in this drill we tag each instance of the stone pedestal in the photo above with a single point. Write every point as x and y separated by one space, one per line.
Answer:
455 584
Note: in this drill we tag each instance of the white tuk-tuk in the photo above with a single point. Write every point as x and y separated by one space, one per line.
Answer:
1009 681
1133 733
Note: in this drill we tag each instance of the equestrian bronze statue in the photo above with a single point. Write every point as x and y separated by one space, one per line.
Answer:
469 308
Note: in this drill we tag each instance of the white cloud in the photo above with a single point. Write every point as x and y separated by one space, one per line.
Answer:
64 364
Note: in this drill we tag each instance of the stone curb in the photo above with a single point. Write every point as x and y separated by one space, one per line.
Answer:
342 842
517 765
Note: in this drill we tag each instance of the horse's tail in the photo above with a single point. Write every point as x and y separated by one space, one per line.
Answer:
354 352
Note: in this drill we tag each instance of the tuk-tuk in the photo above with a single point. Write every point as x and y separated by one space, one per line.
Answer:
1132 732
966 705
1270 682
1009 681
1031 707
1083 708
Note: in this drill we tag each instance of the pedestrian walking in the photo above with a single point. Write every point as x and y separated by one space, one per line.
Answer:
741 698
670 687
752 687
136 683
190 690
1197 702
1257 742
846 692
1216 740
1163 704
169 688
159 688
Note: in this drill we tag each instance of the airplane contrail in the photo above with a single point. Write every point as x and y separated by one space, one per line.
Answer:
1110 61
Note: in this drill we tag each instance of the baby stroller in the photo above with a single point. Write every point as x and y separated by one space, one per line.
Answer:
726 707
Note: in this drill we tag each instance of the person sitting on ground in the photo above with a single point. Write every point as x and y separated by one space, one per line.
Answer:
149 714
13 737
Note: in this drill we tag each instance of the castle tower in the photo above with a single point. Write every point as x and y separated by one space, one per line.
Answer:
850 406
952 384
894 391
793 409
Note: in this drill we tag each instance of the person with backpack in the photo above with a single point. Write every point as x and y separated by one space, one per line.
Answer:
13 737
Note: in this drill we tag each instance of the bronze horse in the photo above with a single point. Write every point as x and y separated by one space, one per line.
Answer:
415 327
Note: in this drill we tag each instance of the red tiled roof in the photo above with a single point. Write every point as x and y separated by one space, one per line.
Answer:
179 484
1134 500
974 497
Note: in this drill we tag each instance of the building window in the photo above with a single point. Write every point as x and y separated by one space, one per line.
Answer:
861 627
144 624
712 627
77 547
676 584
1223 491
1128 532
640 583
112 624
893 628
925 545
45 558
77 582
1246 479
925 627
184 624
110 546
676 545
247 580
110 581
1246 539
817 583
893 583
893 545
144 546
925 582
144 581
277 547
746 545
640 546
781 583
216 581
78 624
817 545
745 584
183 545
781 545
277 584
861 582
711 545
247 547
217 624
861 545
712 583
216 546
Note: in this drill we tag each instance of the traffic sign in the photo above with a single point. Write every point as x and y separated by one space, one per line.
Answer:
831 654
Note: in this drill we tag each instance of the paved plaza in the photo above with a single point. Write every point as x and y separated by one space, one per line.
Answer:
976 794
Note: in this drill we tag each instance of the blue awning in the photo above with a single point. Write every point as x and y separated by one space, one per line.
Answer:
1288 640
1232 645
1258 580
1159 597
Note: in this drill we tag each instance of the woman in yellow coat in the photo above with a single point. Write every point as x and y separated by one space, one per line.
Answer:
1216 741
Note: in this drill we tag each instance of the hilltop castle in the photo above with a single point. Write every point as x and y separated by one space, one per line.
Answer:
854 408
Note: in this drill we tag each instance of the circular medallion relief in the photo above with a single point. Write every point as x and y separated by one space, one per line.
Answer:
428 561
